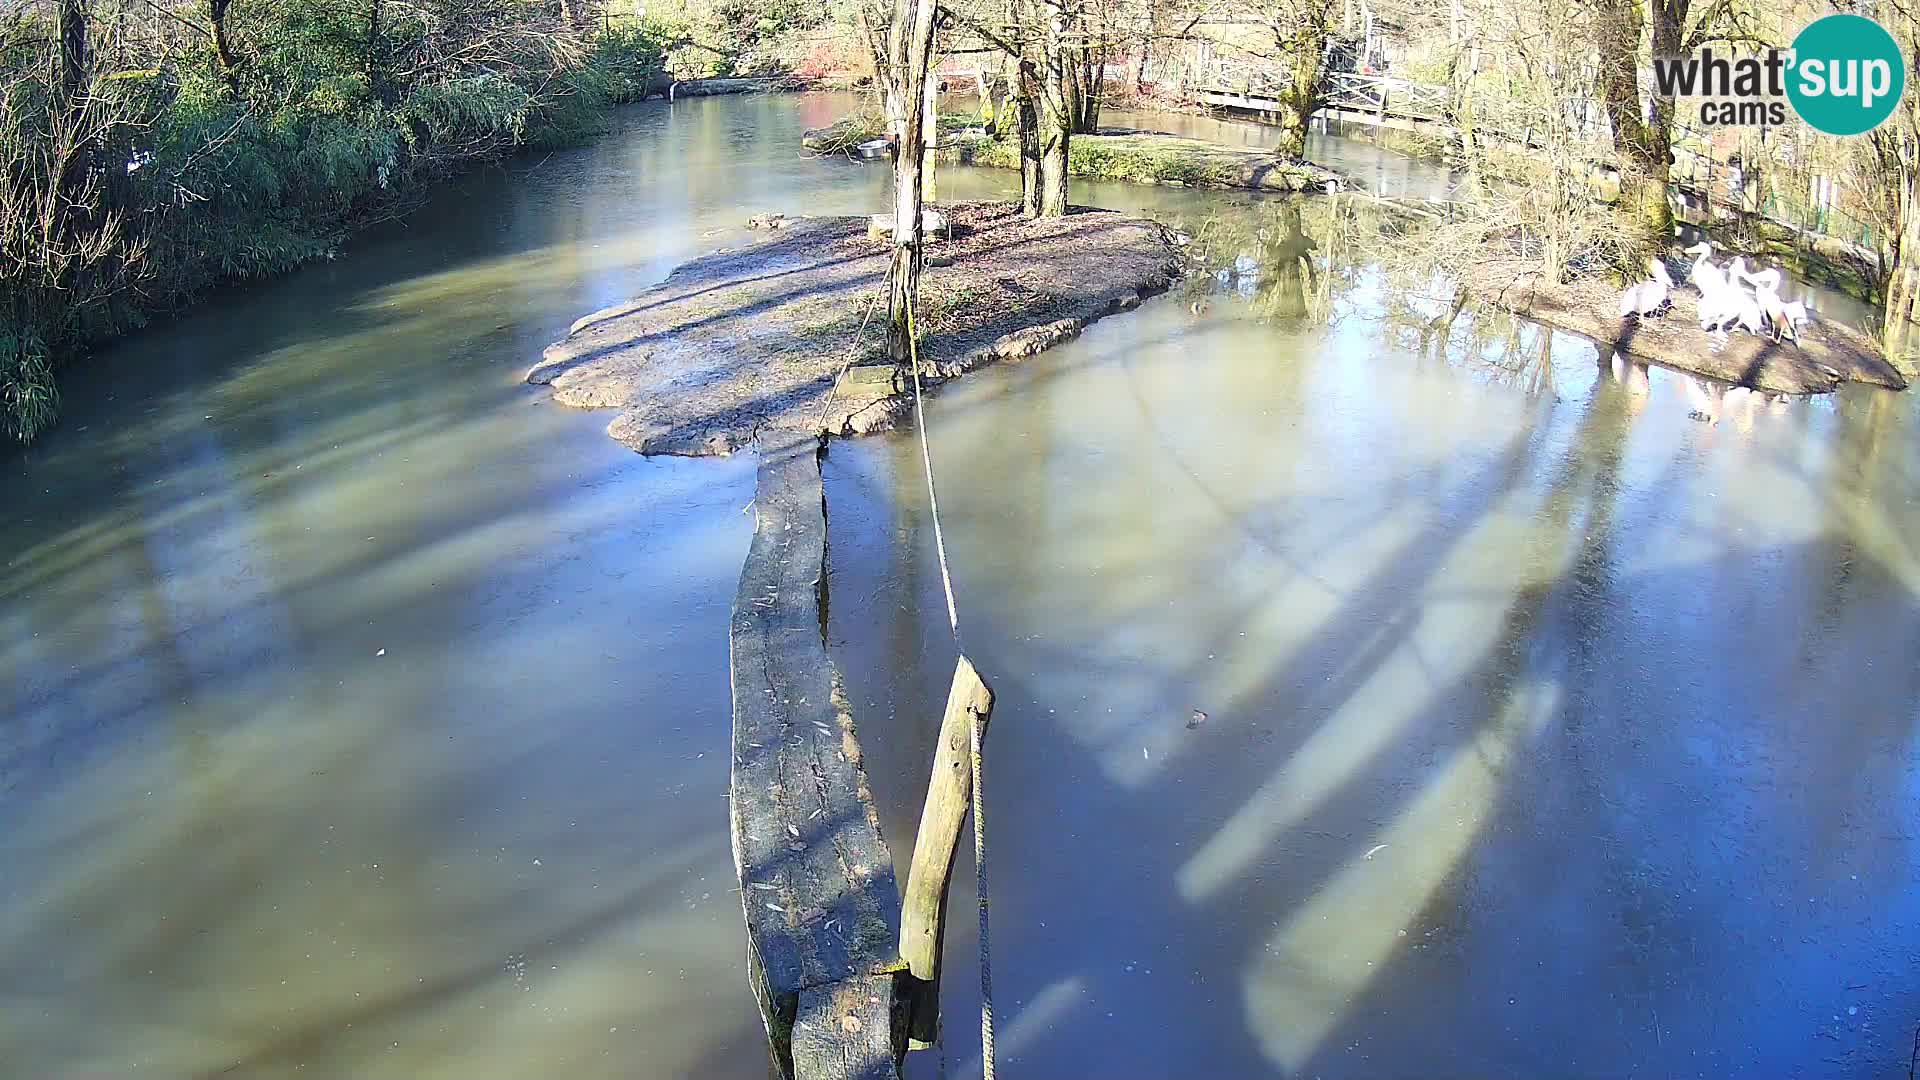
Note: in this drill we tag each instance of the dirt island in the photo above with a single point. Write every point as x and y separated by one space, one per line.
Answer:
770 335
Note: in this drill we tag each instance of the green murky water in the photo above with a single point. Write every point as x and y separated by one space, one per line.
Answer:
363 713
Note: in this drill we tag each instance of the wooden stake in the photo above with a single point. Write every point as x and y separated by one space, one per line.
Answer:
949 794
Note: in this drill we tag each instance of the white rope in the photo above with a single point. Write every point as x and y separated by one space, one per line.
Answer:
926 458
980 888
979 785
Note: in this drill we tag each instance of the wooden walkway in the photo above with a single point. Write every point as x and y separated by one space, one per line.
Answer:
1369 100
816 879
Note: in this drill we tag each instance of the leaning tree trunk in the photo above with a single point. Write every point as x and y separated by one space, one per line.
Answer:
910 54
1307 51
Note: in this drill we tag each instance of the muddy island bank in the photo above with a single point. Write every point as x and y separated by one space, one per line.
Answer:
740 341
1825 355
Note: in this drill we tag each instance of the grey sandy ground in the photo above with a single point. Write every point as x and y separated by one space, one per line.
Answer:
739 341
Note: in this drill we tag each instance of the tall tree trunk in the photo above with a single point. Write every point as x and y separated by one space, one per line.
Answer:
1645 147
73 50
1306 49
1903 282
1086 73
929 135
223 45
71 212
1027 117
1054 137
910 53
1055 112
376 69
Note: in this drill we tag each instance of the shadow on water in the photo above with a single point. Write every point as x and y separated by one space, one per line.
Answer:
363 712
1511 763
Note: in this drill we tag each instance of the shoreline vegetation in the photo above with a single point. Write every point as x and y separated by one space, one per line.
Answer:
1824 355
157 156
1126 154
156 153
133 190
769 337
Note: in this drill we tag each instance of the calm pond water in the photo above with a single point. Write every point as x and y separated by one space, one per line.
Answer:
362 713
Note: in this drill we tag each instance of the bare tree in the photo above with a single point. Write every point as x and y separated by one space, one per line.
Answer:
1043 41
904 83
1301 31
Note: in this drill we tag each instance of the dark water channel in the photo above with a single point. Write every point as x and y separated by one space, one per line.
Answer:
362 713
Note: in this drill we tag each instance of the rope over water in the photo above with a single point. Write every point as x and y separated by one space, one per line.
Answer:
978 726
926 459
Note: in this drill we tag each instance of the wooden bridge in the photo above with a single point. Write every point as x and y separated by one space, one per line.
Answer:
1350 97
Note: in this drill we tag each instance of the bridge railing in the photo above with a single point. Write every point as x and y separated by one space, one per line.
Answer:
1385 96
1350 91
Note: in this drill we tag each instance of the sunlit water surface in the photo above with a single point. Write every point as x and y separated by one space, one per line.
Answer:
362 713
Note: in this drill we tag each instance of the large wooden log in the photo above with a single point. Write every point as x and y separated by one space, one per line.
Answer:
949 794
816 880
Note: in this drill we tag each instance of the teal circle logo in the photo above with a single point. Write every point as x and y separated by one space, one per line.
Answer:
1847 74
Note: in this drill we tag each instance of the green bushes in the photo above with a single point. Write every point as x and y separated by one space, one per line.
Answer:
632 58
137 191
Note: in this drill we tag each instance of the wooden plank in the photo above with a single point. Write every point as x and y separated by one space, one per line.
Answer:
816 880
845 1031
949 794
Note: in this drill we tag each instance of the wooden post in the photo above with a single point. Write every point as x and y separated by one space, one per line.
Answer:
949 795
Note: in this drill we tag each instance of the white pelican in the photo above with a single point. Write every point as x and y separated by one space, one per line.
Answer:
1776 313
1645 298
1764 279
1704 275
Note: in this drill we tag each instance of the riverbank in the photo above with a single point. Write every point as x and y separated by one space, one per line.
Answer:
1826 355
1132 155
740 341
221 179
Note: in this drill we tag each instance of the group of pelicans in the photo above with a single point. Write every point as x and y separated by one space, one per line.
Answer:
1725 303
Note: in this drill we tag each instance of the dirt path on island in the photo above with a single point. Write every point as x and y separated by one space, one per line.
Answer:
738 341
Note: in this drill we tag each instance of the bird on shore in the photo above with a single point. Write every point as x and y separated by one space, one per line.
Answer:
1703 275
1723 302
1768 278
1797 315
1732 307
1649 296
1776 313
